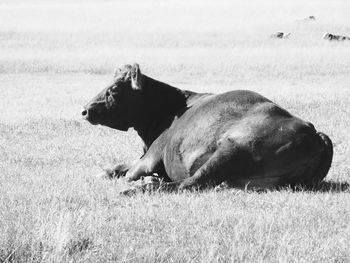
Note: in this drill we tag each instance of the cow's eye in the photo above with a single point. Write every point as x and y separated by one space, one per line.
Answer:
109 97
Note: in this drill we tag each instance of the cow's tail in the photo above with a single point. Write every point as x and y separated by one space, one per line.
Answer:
325 161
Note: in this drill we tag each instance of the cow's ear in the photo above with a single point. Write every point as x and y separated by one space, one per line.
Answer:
136 77
117 72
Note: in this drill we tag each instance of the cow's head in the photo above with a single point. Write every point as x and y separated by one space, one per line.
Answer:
118 105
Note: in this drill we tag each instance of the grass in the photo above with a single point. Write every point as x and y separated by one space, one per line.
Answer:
56 55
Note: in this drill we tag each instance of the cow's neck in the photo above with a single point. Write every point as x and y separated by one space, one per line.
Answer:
162 103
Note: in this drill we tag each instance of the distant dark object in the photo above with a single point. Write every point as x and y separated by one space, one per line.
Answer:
199 139
306 19
310 18
332 37
280 35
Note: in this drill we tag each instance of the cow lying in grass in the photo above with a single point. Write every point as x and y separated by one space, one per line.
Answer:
201 139
280 35
332 37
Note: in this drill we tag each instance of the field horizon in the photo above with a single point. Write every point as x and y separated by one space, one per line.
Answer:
56 55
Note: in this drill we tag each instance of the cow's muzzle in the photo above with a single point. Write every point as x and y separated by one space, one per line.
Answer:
86 114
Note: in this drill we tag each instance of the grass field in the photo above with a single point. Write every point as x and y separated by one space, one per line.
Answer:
55 55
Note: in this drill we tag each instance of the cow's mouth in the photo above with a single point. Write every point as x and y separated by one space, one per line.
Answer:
88 118
92 122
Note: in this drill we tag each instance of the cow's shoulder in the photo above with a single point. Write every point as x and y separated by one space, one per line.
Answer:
241 97
269 109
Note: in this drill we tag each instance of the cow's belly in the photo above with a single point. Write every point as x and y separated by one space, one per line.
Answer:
183 160
259 143
258 133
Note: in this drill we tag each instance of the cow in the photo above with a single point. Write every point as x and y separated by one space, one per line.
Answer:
280 35
197 140
310 18
332 37
306 19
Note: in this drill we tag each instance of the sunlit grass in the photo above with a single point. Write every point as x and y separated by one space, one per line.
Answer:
187 38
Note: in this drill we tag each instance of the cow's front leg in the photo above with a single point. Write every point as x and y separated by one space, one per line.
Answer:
146 167
117 171
142 168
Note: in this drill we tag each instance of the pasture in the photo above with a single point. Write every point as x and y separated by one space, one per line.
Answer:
56 55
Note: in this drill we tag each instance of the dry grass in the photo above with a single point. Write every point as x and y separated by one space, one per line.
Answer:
56 55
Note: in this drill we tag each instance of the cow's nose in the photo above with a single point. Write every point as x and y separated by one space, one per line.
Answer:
84 113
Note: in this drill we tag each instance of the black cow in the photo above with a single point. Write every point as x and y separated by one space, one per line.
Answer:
200 139
280 35
332 37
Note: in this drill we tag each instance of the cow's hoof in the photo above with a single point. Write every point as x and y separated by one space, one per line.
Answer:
128 192
222 186
151 180
118 171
